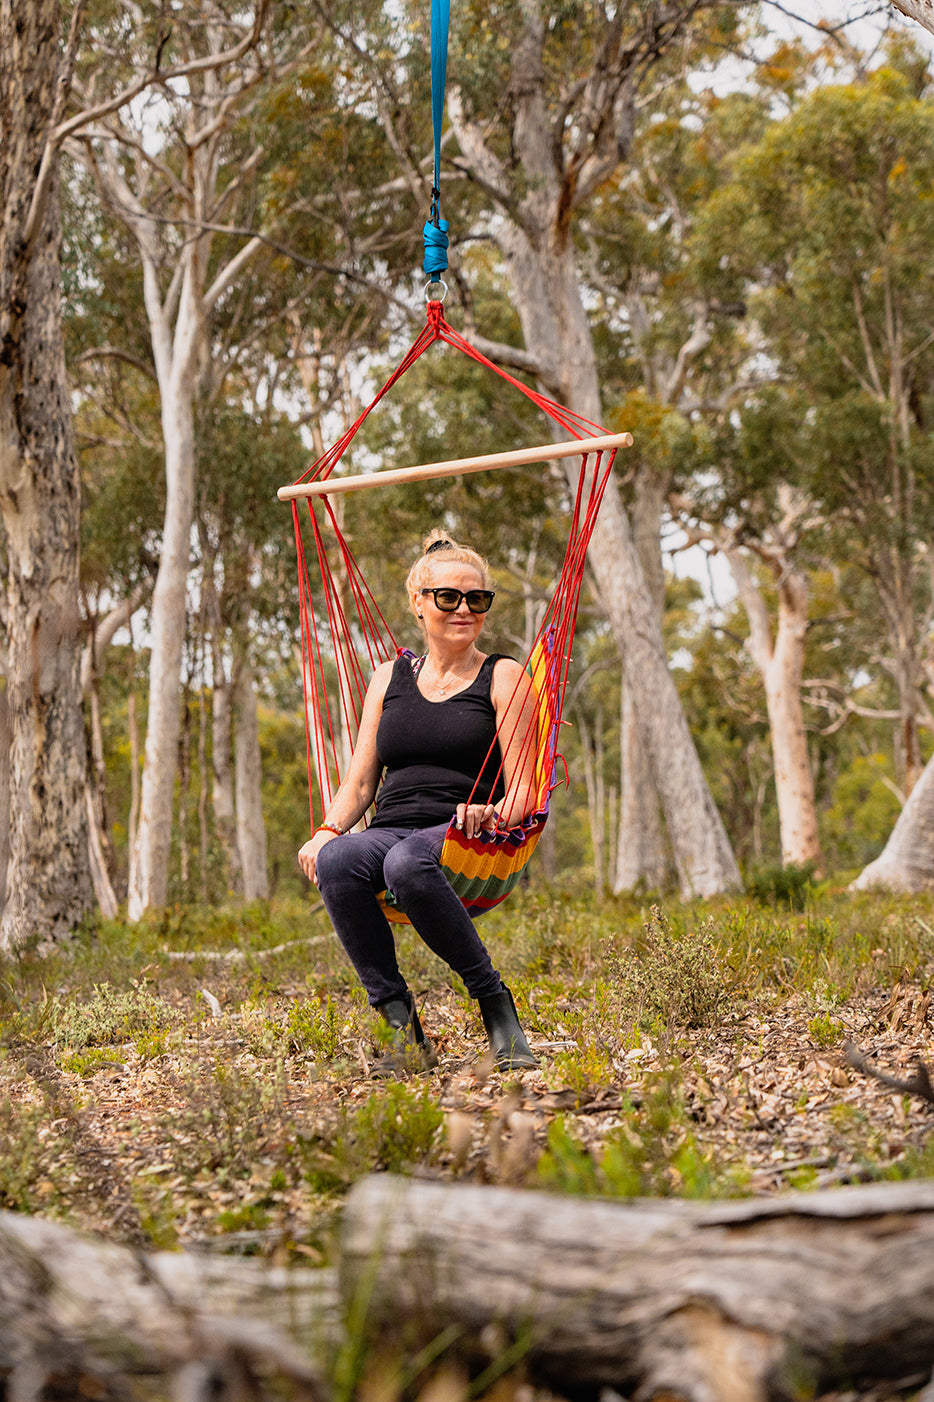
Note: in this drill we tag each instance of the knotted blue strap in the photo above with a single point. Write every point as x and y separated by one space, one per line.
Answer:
435 232
436 247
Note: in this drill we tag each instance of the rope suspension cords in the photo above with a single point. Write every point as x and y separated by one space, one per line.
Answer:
345 636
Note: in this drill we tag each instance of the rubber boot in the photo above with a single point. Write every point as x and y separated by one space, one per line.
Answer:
410 1049
510 1050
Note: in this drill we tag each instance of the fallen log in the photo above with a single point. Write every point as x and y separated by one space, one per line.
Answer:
82 1317
742 1301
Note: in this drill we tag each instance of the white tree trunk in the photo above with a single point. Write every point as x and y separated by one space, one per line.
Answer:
640 853
641 858
906 863
545 286
251 827
48 882
149 863
177 324
780 662
920 10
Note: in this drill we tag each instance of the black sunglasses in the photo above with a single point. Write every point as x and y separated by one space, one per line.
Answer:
448 600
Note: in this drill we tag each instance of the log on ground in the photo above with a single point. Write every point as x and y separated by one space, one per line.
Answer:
79 1316
740 1301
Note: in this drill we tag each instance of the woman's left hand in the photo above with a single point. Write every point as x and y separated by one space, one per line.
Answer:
472 818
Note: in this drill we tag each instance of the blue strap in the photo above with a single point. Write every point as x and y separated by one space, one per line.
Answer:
436 239
436 247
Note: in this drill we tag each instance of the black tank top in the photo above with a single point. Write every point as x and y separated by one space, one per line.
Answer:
432 751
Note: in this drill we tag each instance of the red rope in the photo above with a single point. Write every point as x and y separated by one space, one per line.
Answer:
357 627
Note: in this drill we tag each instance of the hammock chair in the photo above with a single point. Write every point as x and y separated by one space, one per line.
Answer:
350 637
346 636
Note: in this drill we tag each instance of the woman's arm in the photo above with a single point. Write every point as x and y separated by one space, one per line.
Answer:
358 789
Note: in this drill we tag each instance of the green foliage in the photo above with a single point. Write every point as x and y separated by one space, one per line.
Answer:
862 813
826 1031
653 1152
24 1163
315 1030
394 1130
786 886
87 1063
677 977
111 1015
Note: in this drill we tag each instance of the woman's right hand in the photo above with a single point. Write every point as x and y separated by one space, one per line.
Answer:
308 854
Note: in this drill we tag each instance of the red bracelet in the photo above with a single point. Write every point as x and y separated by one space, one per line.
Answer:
329 827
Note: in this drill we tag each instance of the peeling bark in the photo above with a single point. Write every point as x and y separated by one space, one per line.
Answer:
751 1301
48 888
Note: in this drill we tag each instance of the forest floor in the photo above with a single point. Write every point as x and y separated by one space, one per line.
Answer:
206 1081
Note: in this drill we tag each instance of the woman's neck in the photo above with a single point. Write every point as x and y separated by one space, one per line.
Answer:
449 667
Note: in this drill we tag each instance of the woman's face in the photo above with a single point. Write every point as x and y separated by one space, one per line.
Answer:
460 628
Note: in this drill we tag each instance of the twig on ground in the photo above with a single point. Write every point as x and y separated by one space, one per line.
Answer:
919 1084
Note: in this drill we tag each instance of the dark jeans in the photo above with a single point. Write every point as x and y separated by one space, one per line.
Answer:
351 869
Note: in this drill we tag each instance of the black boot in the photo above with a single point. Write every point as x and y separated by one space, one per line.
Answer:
410 1049
510 1050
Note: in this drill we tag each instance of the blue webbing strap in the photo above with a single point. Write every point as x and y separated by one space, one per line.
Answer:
435 231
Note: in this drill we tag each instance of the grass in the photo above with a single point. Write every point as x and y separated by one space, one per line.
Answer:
687 1050
264 1113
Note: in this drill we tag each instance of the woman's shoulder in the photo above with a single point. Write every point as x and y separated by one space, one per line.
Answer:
510 679
505 668
381 678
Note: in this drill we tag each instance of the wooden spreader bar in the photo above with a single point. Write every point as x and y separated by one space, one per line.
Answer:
517 457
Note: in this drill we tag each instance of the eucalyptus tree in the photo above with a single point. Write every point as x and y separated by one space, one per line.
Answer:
48 886
181 173
829 220
542 110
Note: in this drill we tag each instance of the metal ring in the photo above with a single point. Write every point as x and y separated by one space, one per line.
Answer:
436 282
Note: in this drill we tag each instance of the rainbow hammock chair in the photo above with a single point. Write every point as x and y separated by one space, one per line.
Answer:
344 641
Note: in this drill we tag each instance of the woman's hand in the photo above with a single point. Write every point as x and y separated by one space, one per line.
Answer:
472 818
308 855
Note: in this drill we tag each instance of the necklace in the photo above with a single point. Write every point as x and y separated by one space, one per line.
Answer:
443 687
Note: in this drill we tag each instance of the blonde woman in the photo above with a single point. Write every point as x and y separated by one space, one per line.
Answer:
427 727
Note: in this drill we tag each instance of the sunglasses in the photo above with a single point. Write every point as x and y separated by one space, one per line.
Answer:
448 600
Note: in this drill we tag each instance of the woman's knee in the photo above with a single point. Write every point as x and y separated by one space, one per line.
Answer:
409 861
330 865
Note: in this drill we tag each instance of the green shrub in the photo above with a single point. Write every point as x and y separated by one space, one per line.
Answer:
825 1031
677 978
785 886
109 1015
396 1129
652 1153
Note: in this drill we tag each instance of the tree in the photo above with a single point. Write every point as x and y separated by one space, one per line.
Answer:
181 287
920 10
48 882
828 220
566 126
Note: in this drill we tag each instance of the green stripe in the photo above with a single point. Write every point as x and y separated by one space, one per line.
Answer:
491 887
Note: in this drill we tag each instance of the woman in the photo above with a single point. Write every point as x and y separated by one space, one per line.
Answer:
426 729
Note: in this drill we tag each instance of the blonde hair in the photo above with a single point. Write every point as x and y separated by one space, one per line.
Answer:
439 549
